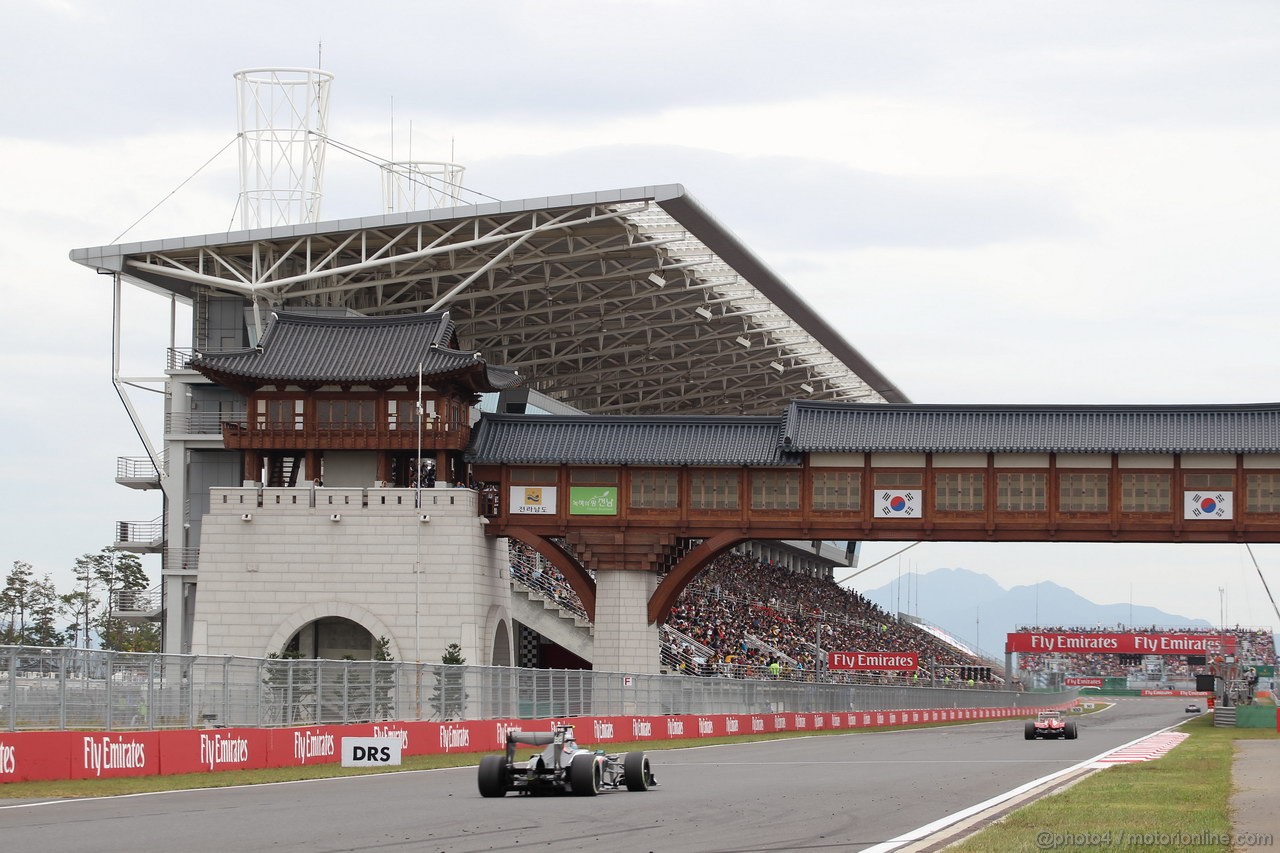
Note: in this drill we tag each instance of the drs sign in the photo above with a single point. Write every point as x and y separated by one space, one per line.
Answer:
370 752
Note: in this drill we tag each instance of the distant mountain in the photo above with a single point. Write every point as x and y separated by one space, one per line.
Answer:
974 608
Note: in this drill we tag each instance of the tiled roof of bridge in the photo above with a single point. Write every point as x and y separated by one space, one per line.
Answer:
322 349
628 440
855 427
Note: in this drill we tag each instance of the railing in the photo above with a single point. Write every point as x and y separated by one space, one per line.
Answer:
536 574
126 602
198 423
140 467
59 688
437 432
181 559
683 654
754 642
140 532
176 358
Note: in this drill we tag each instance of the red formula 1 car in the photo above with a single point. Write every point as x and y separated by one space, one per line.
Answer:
562 767
1050 724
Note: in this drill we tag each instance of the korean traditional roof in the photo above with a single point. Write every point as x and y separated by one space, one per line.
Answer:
853 427
326 350
629 440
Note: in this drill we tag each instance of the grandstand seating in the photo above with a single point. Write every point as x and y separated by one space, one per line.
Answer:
742 613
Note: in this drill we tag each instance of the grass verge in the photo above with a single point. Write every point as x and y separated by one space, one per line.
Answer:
1183 795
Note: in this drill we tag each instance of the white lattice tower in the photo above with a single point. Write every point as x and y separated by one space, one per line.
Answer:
420 185
283 120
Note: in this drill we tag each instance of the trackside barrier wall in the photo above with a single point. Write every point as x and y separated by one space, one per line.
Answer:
32 756
58 689
1257 717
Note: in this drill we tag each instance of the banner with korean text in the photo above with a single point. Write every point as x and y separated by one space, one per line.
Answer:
533 500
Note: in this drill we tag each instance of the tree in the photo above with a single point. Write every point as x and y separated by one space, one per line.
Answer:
448 697
15 602
137 637
45 607
288 688
114 571
75 607
384 679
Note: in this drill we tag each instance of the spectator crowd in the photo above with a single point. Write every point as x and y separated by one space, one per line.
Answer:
745 617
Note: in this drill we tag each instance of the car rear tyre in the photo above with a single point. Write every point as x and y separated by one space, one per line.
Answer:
492 778
635 770
1029 730
1071 729
584 775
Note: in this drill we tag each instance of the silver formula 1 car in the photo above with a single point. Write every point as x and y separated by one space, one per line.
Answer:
562 767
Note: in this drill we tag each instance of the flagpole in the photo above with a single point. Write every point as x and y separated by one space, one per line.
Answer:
417 554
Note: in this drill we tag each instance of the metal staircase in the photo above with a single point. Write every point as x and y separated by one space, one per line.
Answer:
535 610
282 471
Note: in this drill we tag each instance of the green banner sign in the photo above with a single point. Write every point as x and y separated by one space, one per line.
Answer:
593 500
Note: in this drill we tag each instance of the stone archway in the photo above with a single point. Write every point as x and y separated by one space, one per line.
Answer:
315 613
501 650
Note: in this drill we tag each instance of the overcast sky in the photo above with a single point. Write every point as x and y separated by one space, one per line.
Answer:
995 202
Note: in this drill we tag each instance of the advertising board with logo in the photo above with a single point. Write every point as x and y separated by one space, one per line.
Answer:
896 661
28 756
533 500
1044 642
593 500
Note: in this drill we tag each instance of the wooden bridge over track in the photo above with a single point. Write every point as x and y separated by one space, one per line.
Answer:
663 496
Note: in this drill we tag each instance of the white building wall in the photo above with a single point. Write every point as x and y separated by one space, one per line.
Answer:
262 579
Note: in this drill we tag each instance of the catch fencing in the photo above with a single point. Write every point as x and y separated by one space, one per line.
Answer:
61 689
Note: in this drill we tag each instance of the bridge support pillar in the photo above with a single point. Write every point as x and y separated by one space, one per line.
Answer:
625 640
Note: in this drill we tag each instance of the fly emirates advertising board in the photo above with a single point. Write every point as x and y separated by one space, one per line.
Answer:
1047 643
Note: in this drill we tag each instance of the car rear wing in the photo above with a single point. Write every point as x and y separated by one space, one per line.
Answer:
531 738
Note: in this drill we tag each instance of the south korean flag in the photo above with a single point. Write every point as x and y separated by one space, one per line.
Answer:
1206 505
899 503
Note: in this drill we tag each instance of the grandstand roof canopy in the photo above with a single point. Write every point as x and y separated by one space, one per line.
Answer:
631 301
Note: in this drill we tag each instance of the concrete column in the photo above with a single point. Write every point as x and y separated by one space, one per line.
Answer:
175 627
624 639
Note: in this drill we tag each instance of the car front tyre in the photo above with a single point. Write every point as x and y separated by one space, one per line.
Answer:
636 772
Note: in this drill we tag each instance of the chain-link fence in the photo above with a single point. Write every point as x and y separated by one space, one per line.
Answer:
58 688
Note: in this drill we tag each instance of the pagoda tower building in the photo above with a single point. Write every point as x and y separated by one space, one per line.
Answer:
356 518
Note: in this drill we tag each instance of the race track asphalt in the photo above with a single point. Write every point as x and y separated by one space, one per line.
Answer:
822 793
